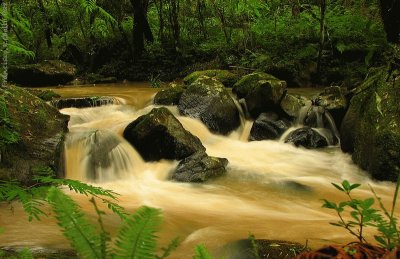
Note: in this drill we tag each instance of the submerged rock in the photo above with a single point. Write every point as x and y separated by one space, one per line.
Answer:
170 96
306 137
84 102
262 92
208 100
265 127
227 78
199 167
159 135
45 73
371 128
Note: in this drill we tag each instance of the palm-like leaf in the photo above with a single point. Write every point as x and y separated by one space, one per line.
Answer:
82 235
136 238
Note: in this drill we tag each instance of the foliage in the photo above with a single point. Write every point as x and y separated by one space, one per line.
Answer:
362 214
202 252
8 128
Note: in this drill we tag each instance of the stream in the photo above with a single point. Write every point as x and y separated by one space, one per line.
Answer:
272 190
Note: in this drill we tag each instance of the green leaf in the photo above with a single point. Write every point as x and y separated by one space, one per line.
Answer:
346 186
338 187
173 245
378 103
354 186
355 215
136 238
367 203
329 204
202 253
82 235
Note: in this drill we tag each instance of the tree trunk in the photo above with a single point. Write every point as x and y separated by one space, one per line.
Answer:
141 28
322 8
47 30
390 13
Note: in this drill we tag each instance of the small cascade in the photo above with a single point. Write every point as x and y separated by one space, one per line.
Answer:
86 102
318 118
103 155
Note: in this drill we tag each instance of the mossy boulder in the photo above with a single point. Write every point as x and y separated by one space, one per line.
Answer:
169 96
291 104
31 135
226 77
199 167
208 100
45 95
334 100
262 92
45 73
371 127
159 135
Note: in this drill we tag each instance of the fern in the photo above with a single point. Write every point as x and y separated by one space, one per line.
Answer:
170 248
202 253
76 227
136 238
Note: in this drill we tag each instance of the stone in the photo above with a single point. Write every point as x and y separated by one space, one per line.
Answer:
334 100
207 99
371 127
226 77
265 128
306 137
199 167
262 92
45 73
84 102
159 135
169 96
291 104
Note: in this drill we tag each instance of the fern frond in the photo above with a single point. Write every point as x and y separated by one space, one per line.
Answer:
17 48
106 16
202 252
76 227
136 238
170 248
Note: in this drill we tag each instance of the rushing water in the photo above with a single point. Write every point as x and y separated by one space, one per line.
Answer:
272 190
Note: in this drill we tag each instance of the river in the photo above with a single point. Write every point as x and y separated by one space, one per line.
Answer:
272 190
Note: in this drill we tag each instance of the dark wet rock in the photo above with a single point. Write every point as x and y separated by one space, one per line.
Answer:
226 77
199 167
334 100
291 104
159 135
169 96
72 54
260 248
208 100
84 102
45 73
31 136
265 127
93 78
293 186
306 137
262 92
371 128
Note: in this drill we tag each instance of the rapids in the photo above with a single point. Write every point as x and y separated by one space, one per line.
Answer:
272 190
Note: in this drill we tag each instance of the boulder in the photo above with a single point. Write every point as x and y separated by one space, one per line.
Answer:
265 128
334 100
84 102
208 100
262 92
169 96
227 78
45 73
291 104
306 137
45 95
31 136
159 135
199 167
371 127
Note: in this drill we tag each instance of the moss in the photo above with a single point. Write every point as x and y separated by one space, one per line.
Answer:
227 78
243 86
39 128
377 131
